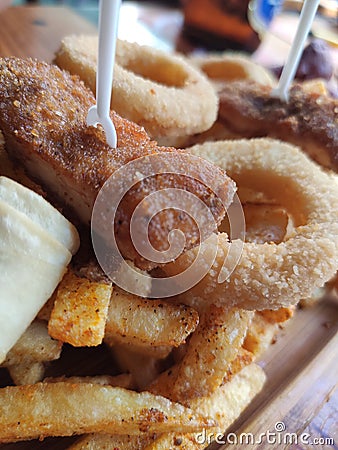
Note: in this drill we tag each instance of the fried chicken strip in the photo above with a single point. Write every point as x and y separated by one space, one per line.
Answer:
43 119
308 119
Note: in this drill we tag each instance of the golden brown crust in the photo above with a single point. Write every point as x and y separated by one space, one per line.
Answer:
43 118
45 109
308 119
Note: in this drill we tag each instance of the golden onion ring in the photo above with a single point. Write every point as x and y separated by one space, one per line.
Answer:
161 92
270 275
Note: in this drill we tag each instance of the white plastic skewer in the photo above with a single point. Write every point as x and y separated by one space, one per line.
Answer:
305 22
99 113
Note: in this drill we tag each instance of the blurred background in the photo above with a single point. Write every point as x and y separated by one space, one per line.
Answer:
207 20
216 25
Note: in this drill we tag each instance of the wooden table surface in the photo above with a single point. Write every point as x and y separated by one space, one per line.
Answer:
36 31
301 366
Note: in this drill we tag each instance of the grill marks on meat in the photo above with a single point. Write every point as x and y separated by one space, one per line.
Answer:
43 119
308 120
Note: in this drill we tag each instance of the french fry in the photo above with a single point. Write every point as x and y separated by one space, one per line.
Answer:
110 442
107 441
260 334
163 384
35 345
142 350
243 359
225 404
64 409
211 350
124 380
130 360
80 311
135 320
26 373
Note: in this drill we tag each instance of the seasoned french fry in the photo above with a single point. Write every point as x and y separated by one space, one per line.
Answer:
124 380
211 350
80 311
163 384
260 334
130 360
224 405
26 373
64 409
243 359
138 321
142 350
35 345
110 442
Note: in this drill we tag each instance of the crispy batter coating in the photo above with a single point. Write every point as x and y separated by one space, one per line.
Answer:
153 88
270 275
308 119
43 119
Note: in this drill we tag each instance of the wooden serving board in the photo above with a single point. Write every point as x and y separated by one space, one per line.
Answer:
301 366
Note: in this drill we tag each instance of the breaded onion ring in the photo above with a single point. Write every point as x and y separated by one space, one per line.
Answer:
230 66
270 275
159 91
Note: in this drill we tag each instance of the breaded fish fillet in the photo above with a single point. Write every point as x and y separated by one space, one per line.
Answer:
308 119
43 119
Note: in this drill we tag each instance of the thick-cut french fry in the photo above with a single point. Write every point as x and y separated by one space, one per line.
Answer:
163 384
135 320
27 373
243 359
35 345
124 380
80 311
141 350
110 442
260 334
211 350
224 405
64 409
130 360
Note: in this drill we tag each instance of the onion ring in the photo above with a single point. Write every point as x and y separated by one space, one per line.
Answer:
270 275
159 91
230 66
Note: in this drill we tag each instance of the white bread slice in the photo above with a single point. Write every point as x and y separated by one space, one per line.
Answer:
21 236
36 208
26 283
32 263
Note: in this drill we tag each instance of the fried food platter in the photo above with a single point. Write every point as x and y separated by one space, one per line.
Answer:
300 362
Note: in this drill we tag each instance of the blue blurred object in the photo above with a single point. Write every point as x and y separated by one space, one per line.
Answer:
262 12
